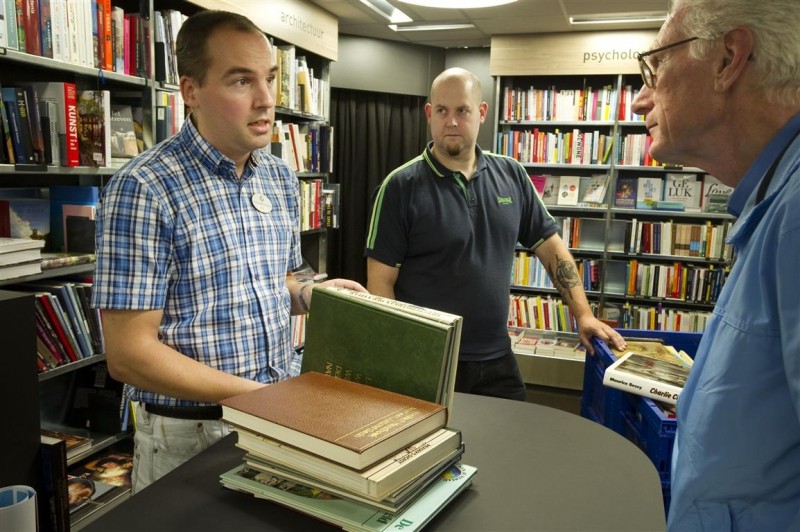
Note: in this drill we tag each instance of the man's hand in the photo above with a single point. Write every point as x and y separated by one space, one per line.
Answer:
590 326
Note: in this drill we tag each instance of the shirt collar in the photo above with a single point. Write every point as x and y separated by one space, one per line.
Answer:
210 157
441 170
747 186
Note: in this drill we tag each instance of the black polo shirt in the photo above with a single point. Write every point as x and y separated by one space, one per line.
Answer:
454 240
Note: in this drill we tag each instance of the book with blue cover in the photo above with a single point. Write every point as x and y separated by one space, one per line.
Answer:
349 514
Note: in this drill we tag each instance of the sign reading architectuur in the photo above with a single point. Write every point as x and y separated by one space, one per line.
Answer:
584 53
295 22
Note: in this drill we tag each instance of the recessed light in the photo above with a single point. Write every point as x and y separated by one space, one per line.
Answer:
459 4
387 11
430 27
617 18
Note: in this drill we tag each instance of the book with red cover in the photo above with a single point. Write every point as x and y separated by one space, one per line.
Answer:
347 422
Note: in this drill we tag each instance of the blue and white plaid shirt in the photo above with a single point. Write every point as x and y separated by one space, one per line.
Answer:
179 231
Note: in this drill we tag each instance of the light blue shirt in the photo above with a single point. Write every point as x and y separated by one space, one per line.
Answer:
736 460
179 231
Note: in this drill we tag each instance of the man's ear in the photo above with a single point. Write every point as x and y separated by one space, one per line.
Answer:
484 110
188 91
737 49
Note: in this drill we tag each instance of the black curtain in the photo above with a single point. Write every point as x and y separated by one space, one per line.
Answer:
374 133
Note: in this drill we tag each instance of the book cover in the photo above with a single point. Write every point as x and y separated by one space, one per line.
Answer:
62 195
346 513
78 224
550 192
351 423
418 346
74 443
683 189
596 189
123 132
625 194
568 186
715 194
28 218
539 182
375 483
646 376
112 468
94 127
648 190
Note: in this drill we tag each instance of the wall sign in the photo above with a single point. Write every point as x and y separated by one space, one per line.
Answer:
607 52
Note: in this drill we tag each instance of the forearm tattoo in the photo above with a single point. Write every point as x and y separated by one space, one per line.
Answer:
564 277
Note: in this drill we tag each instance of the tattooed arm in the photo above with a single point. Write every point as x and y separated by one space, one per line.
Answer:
560 265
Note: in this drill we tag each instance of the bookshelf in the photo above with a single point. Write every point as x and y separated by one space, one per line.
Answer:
79 397
563 112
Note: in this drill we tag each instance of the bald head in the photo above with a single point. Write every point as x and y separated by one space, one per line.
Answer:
458 75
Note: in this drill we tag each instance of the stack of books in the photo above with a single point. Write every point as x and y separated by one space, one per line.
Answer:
20 257
354 455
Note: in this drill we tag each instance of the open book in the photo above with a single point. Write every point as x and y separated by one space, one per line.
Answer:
388 344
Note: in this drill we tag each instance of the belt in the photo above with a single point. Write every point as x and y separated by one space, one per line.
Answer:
185 412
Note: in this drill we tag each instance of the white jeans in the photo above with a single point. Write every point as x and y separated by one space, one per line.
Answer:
160 444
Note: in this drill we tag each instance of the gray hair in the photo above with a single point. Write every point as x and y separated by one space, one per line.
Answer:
776 31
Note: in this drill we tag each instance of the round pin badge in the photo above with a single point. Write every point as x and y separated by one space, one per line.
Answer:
261 202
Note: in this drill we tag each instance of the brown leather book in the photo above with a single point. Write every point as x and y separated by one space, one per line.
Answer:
347 422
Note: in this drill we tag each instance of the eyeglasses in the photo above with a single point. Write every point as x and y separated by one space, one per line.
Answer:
648 75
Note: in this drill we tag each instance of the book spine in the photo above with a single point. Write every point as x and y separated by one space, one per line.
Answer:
54 506
658 391
33 33
20 127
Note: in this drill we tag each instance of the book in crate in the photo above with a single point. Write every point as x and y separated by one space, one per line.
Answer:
646 376
347 422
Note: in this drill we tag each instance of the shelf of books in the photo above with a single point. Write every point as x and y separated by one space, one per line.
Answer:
85 87
648 238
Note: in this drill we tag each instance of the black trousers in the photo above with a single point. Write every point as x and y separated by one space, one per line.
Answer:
499 377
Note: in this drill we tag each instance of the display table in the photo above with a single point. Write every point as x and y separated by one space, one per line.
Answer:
538 469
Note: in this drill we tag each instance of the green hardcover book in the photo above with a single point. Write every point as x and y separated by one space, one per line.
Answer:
384 343
348 514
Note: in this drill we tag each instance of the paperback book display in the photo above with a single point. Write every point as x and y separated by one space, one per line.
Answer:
348 453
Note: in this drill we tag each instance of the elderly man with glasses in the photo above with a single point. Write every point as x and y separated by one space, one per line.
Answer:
722 93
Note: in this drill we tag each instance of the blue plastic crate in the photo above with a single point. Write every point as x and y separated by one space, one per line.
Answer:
637 418
599 403
647 426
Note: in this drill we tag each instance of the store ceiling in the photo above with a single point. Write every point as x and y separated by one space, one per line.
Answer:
523 16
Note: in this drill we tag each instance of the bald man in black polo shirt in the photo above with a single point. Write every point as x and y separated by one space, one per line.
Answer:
443 232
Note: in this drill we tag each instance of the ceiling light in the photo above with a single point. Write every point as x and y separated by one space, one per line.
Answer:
430 27
460 4
387 11
616 18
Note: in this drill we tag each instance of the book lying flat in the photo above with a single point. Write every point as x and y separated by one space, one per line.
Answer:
347 422
385 343
75 444
648 377
348 514
377 482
